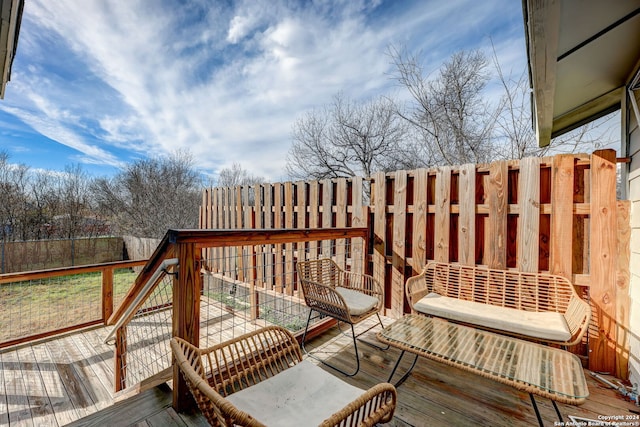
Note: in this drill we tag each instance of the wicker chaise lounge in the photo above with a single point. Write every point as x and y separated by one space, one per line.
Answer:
260 379
534 306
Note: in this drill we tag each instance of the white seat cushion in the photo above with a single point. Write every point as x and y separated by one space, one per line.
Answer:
357 302
303 395
544 325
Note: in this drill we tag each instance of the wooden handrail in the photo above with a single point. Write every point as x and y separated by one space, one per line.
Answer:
140 297
165 249
240 237
66 271
225 238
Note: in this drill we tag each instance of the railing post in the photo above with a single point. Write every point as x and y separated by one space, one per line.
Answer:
186 314
107 294
120 359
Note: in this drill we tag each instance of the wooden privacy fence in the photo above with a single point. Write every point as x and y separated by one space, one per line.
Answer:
46 254
554 214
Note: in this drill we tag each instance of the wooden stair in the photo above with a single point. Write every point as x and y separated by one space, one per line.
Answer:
149 408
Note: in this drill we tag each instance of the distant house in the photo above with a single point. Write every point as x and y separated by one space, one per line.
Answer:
584 62
10 19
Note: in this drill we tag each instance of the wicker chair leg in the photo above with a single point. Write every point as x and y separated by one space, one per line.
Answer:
310 354
373 344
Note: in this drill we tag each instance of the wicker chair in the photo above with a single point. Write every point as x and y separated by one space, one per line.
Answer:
260 379
345 296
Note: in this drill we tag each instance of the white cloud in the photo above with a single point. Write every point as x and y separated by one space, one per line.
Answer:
52 129
227 86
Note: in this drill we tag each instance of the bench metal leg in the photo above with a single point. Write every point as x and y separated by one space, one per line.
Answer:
555 406
406 374
535 408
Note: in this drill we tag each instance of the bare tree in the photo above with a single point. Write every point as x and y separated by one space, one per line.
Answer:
15 203
453 123
45 205
42 204
153 195
75 218
346 139
236 175
514 132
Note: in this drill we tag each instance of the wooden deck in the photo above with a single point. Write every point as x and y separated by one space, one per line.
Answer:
69 380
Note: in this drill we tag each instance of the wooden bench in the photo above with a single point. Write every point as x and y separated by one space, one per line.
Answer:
533 306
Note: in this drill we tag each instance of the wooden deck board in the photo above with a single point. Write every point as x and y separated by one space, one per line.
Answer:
73 382
4 409
63 409
38 399
67 380
16 391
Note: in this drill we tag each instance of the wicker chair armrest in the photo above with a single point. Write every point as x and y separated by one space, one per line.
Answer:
374 406
578 316
417 287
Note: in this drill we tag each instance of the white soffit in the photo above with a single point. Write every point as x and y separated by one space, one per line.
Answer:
581 55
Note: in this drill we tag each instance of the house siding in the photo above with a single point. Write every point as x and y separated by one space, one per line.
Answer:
634 286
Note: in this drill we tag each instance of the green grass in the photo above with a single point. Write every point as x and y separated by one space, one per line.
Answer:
292 322
35 306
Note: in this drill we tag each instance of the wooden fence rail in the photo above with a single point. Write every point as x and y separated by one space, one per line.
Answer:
556 214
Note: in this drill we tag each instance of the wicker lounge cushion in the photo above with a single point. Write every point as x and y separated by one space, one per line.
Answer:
303 395
357 302
544 325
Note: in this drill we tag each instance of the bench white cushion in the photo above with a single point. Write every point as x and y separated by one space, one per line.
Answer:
303 395
543 325
358 302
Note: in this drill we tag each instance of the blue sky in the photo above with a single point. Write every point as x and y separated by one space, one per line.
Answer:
103 83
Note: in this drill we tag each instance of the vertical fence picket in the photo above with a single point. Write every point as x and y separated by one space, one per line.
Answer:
529 215
497 233
341 218
327 213
219 258
229 223
562 184
247 225
467 214
277 224
623 298
419 243
357 220
602 260
379 194
258 224
205 215
268 224
301 222
288 247
314 209
442 214
399 247
239 250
